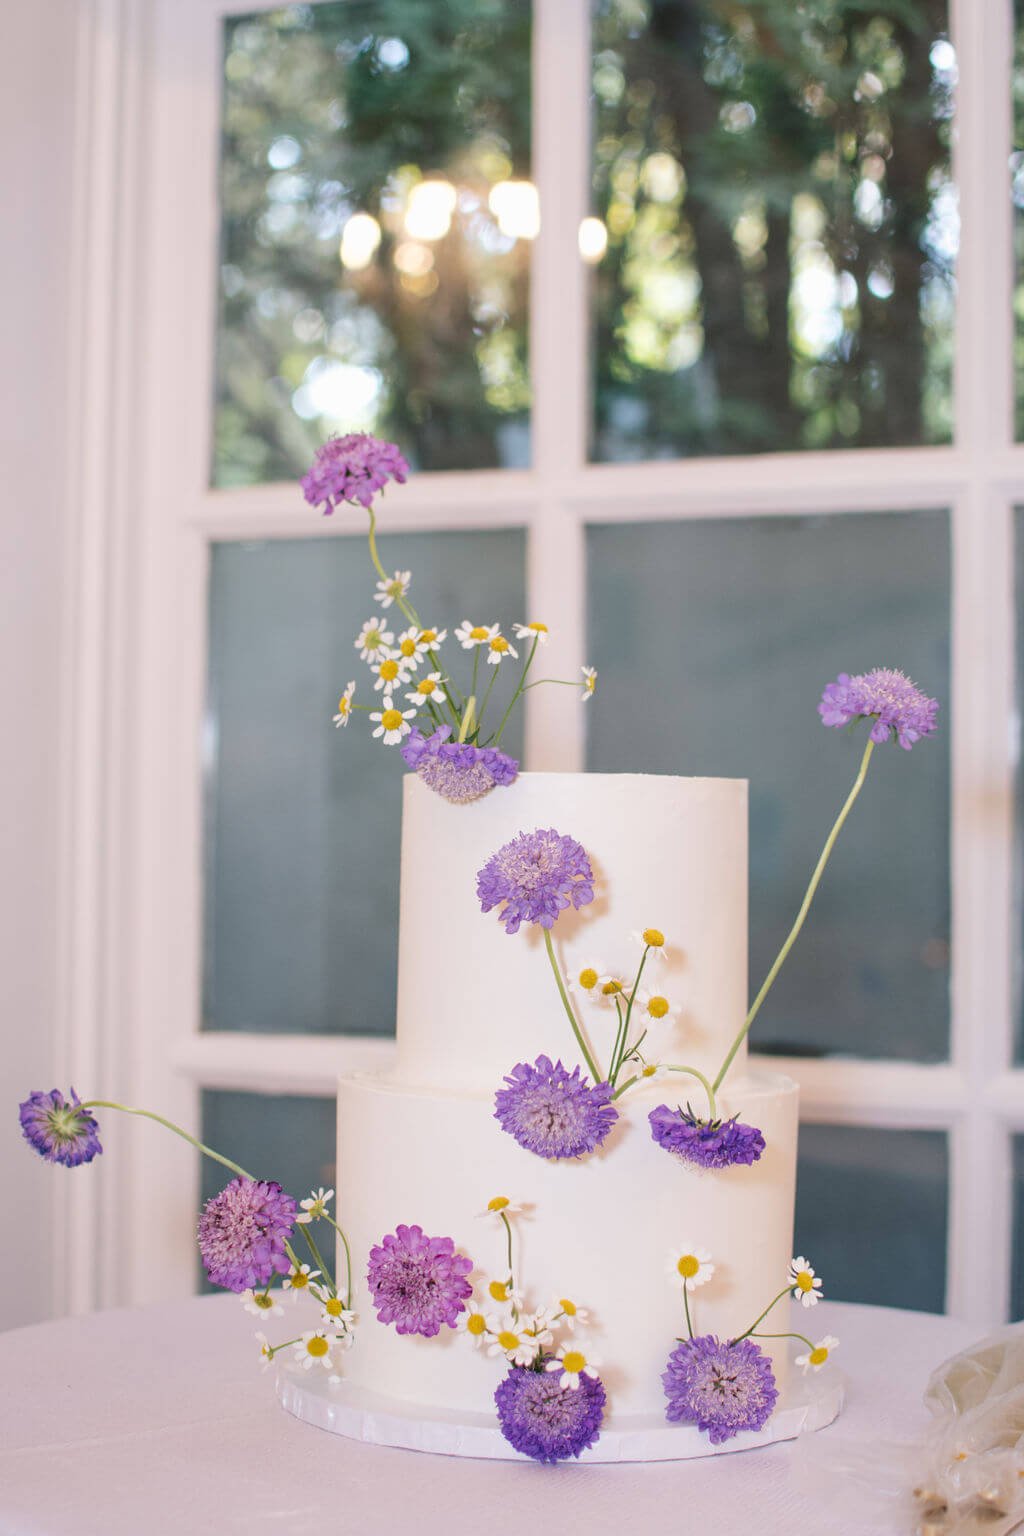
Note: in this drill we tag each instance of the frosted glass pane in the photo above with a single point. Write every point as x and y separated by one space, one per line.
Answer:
864 1194
273 1137
374 263
713 640
303 820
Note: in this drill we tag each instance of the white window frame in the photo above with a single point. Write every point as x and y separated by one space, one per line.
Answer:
145 230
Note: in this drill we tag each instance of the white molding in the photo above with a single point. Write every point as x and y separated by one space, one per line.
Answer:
295 1064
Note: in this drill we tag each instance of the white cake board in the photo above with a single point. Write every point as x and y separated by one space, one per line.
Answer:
810 1403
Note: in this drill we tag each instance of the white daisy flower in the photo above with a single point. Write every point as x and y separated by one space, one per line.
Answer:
584 979
314 1348
429 639
692 1266
315 1207
816 1357
609 987
408 647
536 1326
298 1279
261 1304
505 1293
653 1006
372 639
806 1284
648 938
392 722
512 1341
469 634
589 682
498 648
393 588
501 1205
538 632
653 1071
390 671
572 1363
334 1314
345 704
475 1324
571 1314
266 1351
428 690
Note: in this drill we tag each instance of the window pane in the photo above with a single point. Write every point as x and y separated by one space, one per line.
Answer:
303 821
775 186
1018 957
713 641
1017 183
288 1139
376 216
1017 1275
861 1193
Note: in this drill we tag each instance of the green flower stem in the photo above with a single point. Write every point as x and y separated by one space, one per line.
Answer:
276 1348
686 1304
405 607
619 1040
148 1114
618 1059
627 1084
518 692
595 1074
348 1262
466 724
487 694
557 682
764 1314
708 1089
801 1336
819 870
317 1256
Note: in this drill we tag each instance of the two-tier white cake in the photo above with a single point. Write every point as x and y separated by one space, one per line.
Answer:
421 1144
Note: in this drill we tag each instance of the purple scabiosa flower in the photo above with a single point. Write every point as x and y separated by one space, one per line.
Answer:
242 1233
889 698
720 1387
537 875
542 1419
352 468
418 1282
60 1129
707 1143
455 769
554 1112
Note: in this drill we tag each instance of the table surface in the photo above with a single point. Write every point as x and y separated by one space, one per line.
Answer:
137 1423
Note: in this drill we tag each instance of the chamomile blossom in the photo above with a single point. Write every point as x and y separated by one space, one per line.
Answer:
589 682
408 647
475 1324
373 639
584 979
334 1314
266 1351
816 1357
653 1071
390 672
537 1327
609 987
569 1313
653 1006
345 704
692 1266
261 1304
538 632
314 1207
428 690
392 588
806 1284
505 1293
314 1348
648 938
298 1278
428 639
498 648
501 1205
572 1363
468 634
392 723
511 1340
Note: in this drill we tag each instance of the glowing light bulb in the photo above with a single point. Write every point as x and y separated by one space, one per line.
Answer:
428 215
593 238
516 207
359 241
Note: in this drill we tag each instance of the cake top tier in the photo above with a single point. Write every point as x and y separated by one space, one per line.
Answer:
666 852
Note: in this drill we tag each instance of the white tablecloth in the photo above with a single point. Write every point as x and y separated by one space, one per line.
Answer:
140 1423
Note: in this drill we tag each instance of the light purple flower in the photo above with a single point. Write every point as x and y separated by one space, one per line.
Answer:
553 1112
721 1387
549 1422
455 769
418 1282
242 1233
889 698
536 875
352 468
707 1143
60 1129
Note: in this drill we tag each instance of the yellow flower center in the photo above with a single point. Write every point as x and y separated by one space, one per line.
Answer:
478 632
573 1361
568 1307
590 684
298 1280
426 686
428 636
391 719
538 629
498 1290
389 670
658 1007
498 1203
266 1302
588 978
654 936
507 1339
499 643
372 639
395 589
805 1281
407 647
819 1355
610 988
333 1307
267 1349
344 705
688 1265
649 1070
317 1347
476 1324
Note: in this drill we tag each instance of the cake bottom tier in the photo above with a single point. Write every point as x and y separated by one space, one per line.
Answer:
600 1231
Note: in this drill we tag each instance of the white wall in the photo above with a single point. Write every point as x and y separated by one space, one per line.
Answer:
36 130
